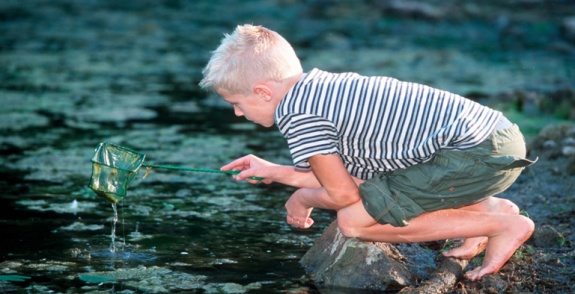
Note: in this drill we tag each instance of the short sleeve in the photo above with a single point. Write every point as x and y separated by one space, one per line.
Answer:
308 135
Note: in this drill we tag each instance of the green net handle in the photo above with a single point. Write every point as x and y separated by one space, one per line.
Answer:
205 170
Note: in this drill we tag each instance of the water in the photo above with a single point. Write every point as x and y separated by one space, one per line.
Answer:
113 234
216 241
185 231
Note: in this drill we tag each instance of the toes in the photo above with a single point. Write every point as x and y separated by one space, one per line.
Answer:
473 274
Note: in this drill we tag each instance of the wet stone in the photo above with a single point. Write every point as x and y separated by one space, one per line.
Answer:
72 207
155 279
77 226
335 261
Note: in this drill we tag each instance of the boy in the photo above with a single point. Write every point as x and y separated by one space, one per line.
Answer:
400 162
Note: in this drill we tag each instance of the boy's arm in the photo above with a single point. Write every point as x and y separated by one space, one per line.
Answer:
341 187
253 166
339 190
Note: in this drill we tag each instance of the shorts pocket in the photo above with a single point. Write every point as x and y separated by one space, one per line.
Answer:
450 166
385 205
508 162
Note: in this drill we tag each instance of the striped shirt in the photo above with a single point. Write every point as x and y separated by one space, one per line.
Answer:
377 124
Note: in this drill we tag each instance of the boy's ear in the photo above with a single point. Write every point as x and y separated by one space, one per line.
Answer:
263 91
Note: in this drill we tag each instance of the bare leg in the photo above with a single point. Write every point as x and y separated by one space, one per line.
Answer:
473 246
495 259
506 232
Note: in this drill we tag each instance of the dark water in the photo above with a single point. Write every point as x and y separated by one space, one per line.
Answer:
230 239
176 230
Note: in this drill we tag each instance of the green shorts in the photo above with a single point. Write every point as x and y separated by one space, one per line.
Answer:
452 178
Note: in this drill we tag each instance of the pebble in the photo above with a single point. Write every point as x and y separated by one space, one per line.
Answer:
549 144
568 150
569 141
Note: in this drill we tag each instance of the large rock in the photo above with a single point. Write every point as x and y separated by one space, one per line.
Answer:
336 261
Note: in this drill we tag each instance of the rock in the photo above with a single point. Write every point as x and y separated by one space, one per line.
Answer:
337 261
7 265
412 9
449 272
549 145
568 29
569 141
568 150
556 133
494 284
547 237
571 166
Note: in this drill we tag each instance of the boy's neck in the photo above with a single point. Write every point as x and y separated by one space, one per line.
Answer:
287 85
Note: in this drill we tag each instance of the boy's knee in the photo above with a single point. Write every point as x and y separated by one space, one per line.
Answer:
521 226
495 204
346 230
346 226
528 224
509 207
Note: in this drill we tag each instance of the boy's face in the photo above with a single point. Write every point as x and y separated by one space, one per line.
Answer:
253 107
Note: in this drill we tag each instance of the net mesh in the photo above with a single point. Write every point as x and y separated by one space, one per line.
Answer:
114 168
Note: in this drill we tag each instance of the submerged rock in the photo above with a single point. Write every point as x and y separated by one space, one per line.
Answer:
78 226
231 288
155 279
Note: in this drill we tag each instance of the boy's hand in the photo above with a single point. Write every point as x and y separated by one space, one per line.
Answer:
297 212
251 166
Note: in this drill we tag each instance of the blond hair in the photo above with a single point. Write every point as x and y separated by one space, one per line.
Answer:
251 54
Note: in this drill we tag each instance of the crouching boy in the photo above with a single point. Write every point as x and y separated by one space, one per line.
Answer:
398 161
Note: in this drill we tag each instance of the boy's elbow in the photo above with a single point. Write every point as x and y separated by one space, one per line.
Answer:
346 198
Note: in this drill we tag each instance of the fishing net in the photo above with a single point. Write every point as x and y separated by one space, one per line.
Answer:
114 169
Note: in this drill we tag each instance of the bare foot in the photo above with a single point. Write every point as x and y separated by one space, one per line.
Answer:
469 249
501 247
473 246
